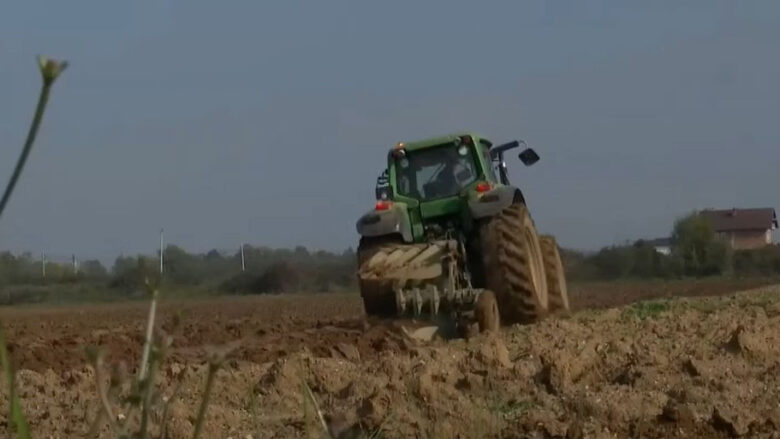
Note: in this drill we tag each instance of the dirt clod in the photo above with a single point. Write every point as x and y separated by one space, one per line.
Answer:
679 414
737 342
695 367
730 421
493 352
374 410
348 351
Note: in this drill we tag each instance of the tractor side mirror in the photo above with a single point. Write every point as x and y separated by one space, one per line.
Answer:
529 156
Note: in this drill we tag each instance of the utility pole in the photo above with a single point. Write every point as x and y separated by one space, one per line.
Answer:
161 250
243 265
75 265
43 264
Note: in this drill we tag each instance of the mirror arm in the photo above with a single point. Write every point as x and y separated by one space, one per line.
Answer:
498 151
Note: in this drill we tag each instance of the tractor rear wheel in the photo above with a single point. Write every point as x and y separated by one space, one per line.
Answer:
557 291
513 265
378 295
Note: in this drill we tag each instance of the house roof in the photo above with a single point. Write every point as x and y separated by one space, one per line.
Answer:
741 219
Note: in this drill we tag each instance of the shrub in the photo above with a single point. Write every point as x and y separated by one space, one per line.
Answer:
130 274
700 251
278 278
764 261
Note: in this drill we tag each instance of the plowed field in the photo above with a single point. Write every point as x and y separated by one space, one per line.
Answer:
697 367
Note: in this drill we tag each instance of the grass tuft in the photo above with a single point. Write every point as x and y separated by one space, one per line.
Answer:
647 309
16 415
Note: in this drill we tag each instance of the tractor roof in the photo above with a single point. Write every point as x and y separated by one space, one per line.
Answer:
434 141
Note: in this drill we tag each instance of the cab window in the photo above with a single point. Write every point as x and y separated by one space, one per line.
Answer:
437 172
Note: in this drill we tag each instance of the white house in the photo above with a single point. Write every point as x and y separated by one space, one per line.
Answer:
662 245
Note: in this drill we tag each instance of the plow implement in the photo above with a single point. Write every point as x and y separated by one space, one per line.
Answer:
426 281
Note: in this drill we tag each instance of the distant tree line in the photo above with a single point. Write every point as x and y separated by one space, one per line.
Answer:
24 269
696 251
266 270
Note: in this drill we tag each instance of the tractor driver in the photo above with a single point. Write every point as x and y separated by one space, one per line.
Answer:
456 173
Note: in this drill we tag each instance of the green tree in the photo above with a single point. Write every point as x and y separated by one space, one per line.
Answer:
614 262
700 251
647 262
130 273
92 269
181 267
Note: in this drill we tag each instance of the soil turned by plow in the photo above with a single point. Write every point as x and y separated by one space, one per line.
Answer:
685 367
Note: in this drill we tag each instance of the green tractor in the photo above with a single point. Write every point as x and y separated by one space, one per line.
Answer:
451 238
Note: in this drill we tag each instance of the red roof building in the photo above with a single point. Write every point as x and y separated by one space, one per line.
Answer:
744 228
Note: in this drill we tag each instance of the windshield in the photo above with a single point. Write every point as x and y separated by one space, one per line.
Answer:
437 172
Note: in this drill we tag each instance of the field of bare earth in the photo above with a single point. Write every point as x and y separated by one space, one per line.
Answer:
667 366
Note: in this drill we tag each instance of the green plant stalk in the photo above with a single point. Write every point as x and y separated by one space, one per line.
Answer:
43 99
166 408
49 72
103 395
149 334
308 395
205 402
16 416
147 402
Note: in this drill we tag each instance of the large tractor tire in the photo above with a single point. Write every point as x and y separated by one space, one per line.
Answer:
557 291
378 296
513 265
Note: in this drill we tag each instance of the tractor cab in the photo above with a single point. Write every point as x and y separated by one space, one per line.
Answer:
443 167
437 172
434 179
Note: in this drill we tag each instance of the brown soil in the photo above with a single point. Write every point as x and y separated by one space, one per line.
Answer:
684 368
609 294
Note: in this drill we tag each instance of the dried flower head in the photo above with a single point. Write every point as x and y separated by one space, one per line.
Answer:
50 68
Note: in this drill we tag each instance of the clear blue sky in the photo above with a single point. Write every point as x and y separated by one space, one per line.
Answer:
267 122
